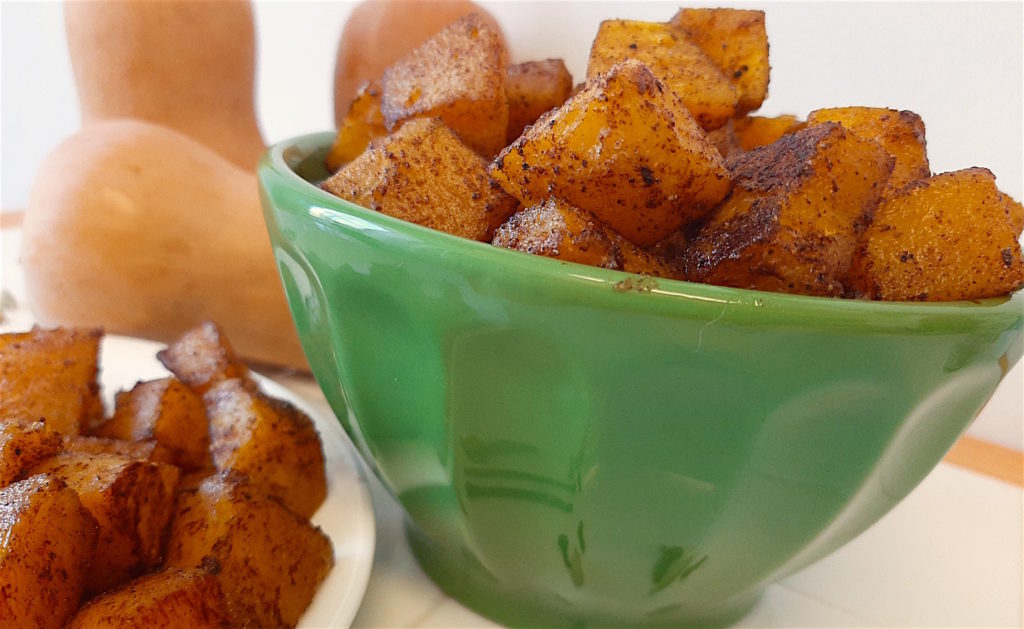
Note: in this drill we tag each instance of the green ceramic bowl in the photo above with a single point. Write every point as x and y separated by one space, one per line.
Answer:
577 446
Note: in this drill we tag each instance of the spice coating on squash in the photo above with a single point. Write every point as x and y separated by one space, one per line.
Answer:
23 443
795 214
47 539
534 87
558 230
132 501
678 62
737 42
950 237
755 131
458 76
899 132
52 375
625 149
170 598
424 174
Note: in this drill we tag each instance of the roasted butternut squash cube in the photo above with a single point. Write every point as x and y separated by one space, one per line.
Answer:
737 42
270 440
625 149
169 599
458 75
678 62
191 480
755 131
132 502
24 443
424 174
254 541
47 540
534 87
558 230
944 238
795 214
362 123
203 356
725 140
148 450
51 375
899 132
166 411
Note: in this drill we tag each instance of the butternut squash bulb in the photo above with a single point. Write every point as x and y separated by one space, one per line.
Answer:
144 231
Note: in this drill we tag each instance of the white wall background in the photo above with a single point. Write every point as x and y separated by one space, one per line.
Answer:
958 65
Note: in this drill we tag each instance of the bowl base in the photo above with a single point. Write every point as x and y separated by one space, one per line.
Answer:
466 581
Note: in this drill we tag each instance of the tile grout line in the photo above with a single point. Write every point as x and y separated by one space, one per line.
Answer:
836 606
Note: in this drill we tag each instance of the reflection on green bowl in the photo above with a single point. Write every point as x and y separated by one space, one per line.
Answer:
575 447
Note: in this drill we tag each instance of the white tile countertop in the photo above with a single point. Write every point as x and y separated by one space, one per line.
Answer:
949 555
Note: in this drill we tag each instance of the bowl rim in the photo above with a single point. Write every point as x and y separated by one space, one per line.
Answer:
278 166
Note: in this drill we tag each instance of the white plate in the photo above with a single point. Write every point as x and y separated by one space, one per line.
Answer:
347 513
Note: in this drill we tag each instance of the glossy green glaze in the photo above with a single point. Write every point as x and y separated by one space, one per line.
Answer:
580 447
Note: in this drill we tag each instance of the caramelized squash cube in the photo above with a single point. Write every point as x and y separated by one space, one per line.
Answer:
795 214
724 139
253 540
164 410
271 441
47 540
948 237
51 375
363 122
148 450
202 357
678 62
458 75
755 131
737 42
534 87
132 502
24 443
424 174
899 132
558 230
625 149
169 599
